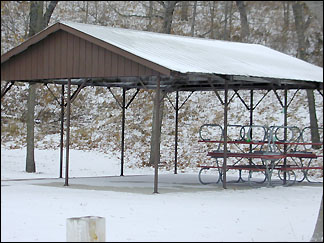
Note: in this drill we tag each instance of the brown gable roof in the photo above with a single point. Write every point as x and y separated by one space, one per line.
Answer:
63 52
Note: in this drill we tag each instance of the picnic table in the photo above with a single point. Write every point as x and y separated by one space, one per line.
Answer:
266 156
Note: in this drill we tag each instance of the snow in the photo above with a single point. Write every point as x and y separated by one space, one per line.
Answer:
36 209
198 55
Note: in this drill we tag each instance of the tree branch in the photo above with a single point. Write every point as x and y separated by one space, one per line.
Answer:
49 11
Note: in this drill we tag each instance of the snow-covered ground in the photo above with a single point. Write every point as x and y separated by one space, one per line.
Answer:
36 209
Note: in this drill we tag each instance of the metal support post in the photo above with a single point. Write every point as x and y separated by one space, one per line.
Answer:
177 108
68 133
123 106
251 120
123 133
225 133
157 135
176 133
62 132
285 130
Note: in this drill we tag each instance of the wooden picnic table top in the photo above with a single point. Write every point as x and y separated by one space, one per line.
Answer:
257 142
274 156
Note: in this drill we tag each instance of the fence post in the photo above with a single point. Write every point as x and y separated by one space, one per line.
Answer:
86 229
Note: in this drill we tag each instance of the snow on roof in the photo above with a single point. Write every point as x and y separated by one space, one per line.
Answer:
198 55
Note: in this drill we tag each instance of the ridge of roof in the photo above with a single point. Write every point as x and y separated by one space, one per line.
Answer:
154 33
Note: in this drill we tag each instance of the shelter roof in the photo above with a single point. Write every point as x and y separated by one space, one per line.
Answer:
186 63
197 55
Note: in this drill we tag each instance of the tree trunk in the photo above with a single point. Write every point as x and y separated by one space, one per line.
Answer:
245 31
225 20
154 149
184 10
167 22
230 20
87 12
313 119
316 7
286 5
212 16
36 10
30 160
38 22
193 19
96 11
48 13
318 232
168 16
149 27
300 30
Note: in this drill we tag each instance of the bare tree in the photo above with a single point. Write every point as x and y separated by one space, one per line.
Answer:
230 20
316 7
286 6
184 10
193 19
169 7
301 25
318 231
96 11
86 12
227 13
283 38
168 15
212 16
150 14
245 31
38 21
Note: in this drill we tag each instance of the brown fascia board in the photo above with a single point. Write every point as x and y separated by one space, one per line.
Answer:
43 34
31 41
117 50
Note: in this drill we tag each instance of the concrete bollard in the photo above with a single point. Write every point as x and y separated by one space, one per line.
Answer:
86 229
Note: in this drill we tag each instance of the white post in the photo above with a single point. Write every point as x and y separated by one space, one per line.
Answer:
86 229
